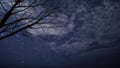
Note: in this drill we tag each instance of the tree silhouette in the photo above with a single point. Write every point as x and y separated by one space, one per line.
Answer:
18 15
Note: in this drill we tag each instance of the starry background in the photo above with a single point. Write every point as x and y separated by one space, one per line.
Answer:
90 40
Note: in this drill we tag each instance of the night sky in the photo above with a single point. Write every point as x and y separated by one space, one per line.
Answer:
90 40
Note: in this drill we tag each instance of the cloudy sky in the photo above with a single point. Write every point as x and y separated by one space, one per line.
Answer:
89 40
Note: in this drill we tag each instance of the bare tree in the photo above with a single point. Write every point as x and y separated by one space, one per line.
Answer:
18 15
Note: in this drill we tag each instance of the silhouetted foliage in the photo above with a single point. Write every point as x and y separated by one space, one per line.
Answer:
18 15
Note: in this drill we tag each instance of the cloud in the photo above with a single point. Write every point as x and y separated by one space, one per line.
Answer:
100 28
59 27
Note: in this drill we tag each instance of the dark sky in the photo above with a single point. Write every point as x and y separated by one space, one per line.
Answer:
91 40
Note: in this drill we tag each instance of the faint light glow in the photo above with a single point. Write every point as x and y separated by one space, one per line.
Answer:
23 43
51 31
1 34
61 18
22 62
